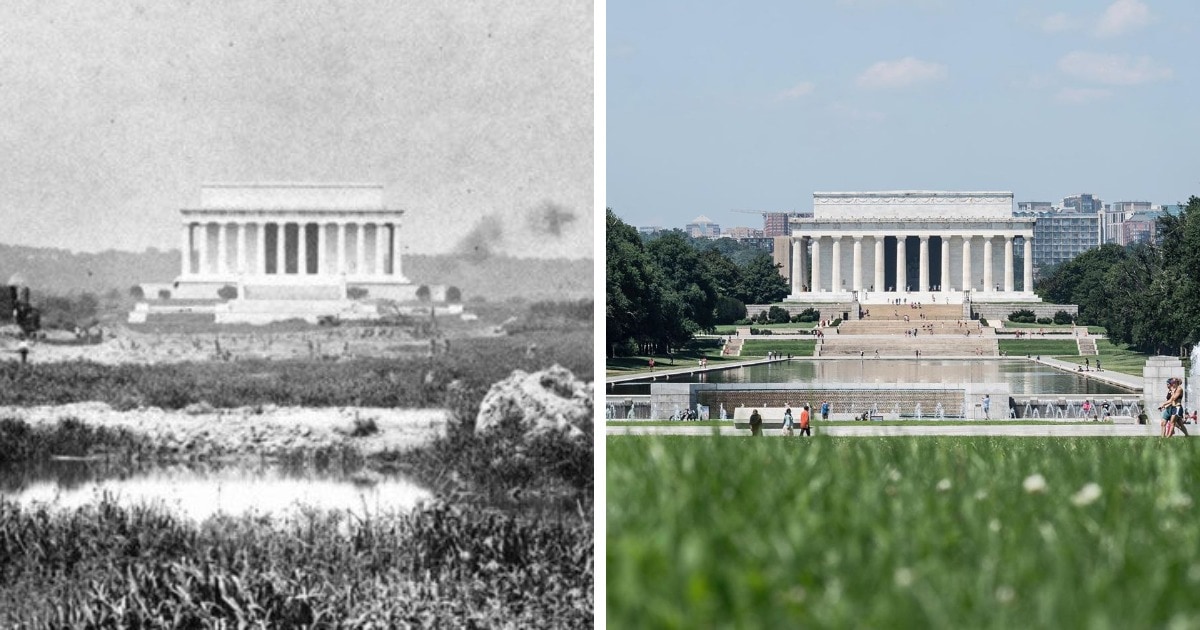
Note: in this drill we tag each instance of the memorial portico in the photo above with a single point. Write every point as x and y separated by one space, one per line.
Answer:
290 241
911 245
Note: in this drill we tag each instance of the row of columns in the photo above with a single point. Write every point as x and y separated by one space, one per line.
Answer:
386 248
799 273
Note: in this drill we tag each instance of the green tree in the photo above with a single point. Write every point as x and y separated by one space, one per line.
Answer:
687 279
630 294
761 282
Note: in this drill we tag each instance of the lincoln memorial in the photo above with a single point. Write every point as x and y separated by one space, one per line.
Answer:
922 246
290 250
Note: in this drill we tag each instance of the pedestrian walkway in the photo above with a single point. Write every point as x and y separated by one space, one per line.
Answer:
1096 429
1120 379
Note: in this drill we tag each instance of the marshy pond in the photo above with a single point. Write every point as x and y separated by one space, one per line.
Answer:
198 491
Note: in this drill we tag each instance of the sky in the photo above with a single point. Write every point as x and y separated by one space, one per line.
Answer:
477 117
714 107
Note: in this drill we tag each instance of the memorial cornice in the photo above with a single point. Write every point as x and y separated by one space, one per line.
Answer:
240 214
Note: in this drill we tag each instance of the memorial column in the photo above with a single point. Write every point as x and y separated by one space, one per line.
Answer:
837 264
987 264
1008 263
901 266
203 243
797 255
944 284
360 257
241 247
322 247
185 250
301 248
880 283
380 241
923 265
280 247
816 263
968 283
222 248
341 247
1028 238
856 281
397 265
260 248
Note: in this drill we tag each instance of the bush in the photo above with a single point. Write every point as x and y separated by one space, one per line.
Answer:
1063 317
760 331
778 315
807 315
164 294
729 310
1023 316
136 292
1045 320
761 318
356 293
453 295
835 323
423 293
227 292
745 321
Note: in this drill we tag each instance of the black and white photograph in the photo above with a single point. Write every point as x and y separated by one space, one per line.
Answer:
297 314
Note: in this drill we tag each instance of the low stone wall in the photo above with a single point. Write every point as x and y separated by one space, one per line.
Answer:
1001 311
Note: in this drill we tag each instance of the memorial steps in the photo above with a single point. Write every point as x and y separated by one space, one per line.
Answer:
893 346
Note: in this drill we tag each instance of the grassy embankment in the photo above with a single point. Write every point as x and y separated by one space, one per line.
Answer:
794 347
687 356
729 329
902 532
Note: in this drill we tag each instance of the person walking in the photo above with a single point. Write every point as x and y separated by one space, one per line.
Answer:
1171 408
804 414
23 350
755 423
788 421
987 405
824 410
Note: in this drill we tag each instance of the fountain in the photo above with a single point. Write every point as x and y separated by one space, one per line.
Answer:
677 415
1028 411
1072 411
723 415
654 411
610 412
1035 415
896 409
939 412
917 411
1048 411
1193 380
629 414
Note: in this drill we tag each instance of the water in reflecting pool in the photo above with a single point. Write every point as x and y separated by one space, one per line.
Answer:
198 492
1023 377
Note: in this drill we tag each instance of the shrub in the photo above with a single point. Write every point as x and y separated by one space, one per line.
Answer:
136 292
356 293
453 294
778 315
227 292
983 322
807 315
837 322
423 293
1063 317
164 294
1023 316
1045 320
760 331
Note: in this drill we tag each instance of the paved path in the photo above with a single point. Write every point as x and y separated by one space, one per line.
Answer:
1115 378
866 430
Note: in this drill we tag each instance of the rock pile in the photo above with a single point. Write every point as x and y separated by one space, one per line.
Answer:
550 399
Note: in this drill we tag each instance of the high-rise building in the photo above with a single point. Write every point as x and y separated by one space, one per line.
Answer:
1085 203
1061 236
776 224
1115 214
1034 206
703 227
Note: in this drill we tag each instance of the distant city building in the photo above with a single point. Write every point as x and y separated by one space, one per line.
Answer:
649 229
776 224
1034 206
1061 236
1172 209
1085 203
1115 214
740 233
703 227
1140 227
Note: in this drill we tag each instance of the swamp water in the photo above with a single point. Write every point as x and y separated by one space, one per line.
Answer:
200 491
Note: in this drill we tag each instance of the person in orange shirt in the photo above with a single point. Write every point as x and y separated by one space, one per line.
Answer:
804 414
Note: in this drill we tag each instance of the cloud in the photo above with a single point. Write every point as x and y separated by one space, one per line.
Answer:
803 88
1079 96
901 73
1121 17
1112 69
1058 23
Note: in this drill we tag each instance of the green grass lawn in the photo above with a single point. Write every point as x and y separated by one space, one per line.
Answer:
731 328
710 348
796 347
942 532
1115 357
1035 347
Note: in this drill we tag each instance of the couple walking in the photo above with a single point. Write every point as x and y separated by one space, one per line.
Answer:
789 422
1172 409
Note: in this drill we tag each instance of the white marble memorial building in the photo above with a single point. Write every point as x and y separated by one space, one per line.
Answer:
921 246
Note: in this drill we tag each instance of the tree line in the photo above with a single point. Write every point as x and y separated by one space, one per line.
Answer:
663 289
1144 295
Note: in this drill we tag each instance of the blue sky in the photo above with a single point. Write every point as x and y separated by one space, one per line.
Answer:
713 106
